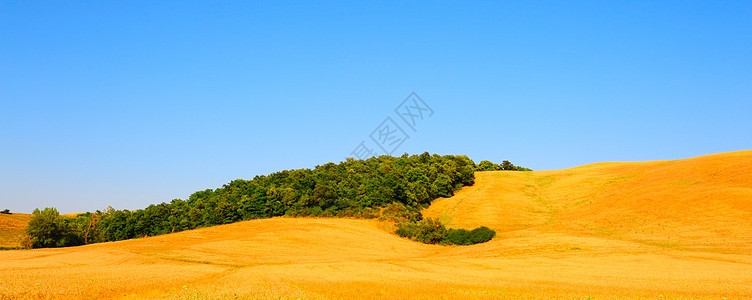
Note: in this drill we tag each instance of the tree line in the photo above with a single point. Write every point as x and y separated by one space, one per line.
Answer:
352 188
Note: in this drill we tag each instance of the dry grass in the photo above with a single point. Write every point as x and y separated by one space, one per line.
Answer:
13 229
665 229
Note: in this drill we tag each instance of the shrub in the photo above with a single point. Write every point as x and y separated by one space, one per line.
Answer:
463 237
399 213
430 231
5 211
407 230
458 236
481 235
369 213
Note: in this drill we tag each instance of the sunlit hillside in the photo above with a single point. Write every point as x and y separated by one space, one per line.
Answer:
663 229
699 204
12 229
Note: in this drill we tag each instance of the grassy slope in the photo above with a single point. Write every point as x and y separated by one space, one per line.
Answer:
672 228
693 204
13 229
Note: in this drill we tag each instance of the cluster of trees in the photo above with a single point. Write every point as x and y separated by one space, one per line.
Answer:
48 228
5 211
353 188
504 166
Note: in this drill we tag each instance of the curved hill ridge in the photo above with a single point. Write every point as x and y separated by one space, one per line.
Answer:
701 203
674 229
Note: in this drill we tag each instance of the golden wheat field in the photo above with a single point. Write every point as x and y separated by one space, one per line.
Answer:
655 230
13 229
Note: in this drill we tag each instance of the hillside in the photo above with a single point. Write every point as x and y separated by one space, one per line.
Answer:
12 229
698 204
662 229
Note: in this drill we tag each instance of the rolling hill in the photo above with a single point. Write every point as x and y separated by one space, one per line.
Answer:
700 204
13 229
659 229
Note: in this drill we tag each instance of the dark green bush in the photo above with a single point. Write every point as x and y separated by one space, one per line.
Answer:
431 231
5 211
458 237
463 237
481 235
407 230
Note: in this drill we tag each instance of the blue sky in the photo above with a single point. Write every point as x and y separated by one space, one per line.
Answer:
139 102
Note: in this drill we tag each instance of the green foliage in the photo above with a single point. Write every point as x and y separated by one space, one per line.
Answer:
5 211
48 229
431 231
504 166
395 188
458 236
463 237
487 166
398 213
407 230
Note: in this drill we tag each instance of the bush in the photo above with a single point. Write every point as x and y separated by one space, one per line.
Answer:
430 231
407 230
481 235
369 213
458 236
5 211
476 236
399 213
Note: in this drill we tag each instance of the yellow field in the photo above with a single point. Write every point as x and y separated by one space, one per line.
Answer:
660 230
13 229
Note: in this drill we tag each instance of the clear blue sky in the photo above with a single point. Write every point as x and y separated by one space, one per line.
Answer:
137 102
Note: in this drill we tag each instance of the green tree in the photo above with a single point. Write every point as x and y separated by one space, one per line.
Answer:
86 226
48 229
486 166
442 186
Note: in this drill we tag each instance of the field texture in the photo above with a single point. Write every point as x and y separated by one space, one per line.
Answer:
658 230
13 229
